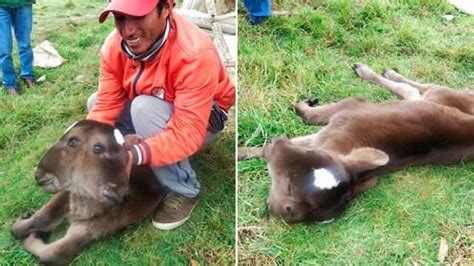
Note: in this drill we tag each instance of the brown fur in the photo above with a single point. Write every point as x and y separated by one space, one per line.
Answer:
86 171
362 140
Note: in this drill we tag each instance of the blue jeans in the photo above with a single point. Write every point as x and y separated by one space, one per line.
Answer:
20 19
258 10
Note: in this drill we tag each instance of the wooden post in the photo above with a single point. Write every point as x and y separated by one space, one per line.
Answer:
229 63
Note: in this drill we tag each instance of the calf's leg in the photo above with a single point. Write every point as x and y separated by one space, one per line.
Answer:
45 219
405 91
320 115
62 250
396 77
460 99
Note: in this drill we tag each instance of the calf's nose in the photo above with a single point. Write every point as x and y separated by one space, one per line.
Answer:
39 173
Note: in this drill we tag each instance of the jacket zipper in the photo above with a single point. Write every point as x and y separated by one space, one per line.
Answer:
142 67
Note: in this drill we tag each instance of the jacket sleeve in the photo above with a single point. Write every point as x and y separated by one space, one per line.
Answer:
226 96
195 86
111 97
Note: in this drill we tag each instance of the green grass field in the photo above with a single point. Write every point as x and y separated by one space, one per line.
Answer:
285 59
30 124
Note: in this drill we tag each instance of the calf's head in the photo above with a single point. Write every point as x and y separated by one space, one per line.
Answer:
312 185
87 160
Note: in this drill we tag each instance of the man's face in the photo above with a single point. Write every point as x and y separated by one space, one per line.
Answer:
139 33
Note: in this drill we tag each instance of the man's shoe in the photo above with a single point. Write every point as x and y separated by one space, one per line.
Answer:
28 82
174 211
12 92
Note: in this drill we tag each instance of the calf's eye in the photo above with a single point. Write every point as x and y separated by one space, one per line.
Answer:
73 142
98 149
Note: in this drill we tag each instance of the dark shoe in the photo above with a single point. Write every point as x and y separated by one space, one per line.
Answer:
255 20
174 211
29 82
12 92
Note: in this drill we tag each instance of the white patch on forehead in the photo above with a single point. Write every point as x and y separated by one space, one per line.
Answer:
324 179
69 128
119 137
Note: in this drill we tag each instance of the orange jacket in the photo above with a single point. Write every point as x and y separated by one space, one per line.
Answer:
186 72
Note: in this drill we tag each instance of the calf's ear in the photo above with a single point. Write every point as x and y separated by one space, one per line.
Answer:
364 159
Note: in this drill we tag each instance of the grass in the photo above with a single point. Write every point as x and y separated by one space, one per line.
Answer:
31 123
285 59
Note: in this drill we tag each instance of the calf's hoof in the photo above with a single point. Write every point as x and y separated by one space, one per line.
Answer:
313 101
363 71
20 229
303 108
302 105
35 245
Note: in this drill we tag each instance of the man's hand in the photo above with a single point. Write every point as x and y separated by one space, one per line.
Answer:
131 140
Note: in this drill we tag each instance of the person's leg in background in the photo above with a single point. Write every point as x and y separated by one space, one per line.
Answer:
9 82
258 10
22 24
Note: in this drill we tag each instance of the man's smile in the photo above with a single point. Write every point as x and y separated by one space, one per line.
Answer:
133 41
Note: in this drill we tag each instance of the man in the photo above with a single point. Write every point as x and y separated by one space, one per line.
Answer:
161 77
16 14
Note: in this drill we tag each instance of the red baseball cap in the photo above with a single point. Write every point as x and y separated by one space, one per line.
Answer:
136 8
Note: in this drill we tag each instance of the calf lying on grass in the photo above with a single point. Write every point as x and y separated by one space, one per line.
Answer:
86 170
315 176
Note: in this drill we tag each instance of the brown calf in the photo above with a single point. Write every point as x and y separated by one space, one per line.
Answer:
315 176
86 170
